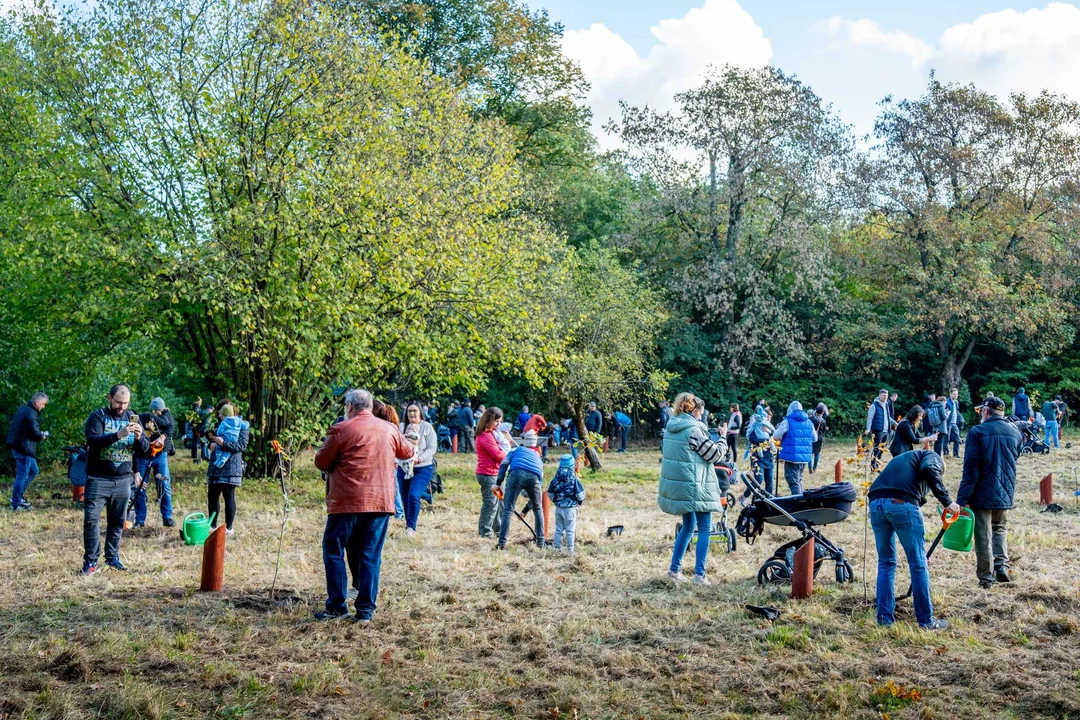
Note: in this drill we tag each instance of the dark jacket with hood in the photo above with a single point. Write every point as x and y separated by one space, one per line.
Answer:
24 433
910 476
990 455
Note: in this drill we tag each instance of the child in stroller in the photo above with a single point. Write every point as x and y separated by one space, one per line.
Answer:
815 506
1029 439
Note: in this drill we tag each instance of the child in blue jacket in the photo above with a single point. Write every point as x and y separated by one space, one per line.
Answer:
566 493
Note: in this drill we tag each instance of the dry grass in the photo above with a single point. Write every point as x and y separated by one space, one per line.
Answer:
464 631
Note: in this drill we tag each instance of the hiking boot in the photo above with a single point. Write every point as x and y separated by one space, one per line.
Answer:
936 624
676 577
168 522
115 564
986 584
701 580
1002 576
324 616
88 569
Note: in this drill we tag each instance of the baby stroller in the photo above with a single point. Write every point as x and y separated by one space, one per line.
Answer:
443 433
816 506
1030 444
76 472
720 532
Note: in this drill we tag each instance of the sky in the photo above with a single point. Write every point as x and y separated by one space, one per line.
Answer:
853 54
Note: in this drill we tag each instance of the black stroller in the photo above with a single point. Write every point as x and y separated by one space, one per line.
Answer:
443 435
816 506
1030 444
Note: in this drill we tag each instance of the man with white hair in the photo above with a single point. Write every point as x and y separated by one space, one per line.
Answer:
797 437
358 454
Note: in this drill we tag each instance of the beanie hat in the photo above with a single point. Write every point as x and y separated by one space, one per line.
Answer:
566 462
157 404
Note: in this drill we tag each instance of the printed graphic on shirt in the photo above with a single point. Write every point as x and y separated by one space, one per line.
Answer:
120 452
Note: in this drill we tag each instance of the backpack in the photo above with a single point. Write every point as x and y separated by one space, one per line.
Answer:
936 414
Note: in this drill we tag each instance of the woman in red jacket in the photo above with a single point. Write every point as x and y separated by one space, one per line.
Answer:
488 457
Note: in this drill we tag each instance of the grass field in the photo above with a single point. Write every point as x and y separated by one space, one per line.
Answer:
465 631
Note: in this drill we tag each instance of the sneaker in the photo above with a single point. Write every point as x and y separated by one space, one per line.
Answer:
1002 576
21 508
937 624
986 584
352 594
88 569
742 501
168 522
323 616
25 503
701 580
228 532
139 525
116 565
676 577
362 622
410 532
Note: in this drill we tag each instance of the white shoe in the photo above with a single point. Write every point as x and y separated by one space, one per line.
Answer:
409 532
701 580
676 577
228 532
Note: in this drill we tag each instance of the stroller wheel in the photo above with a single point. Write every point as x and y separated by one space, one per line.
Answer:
732 540
844 572
1025 450
774 572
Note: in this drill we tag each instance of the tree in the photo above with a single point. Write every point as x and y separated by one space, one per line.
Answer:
305 208
608 321
743 181
974 201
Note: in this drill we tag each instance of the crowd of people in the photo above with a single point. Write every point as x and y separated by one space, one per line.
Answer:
378 466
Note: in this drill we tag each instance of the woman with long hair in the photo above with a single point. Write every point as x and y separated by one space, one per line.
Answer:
387 413
414 475
907 432
489 454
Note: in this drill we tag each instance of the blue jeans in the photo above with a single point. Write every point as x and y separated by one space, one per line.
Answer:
623 433
1051 432
411 490
161 463
26 469
904 521
361 535
703 520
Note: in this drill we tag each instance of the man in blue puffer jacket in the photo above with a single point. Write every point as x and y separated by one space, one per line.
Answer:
797 437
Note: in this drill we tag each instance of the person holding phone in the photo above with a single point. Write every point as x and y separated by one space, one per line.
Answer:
113 435
907 432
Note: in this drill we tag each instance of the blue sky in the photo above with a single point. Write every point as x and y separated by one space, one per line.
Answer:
852 53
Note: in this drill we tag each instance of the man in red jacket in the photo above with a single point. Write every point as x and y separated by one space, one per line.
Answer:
359 456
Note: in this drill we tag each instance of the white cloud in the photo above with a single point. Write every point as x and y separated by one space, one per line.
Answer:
1001 51
867 33
718 33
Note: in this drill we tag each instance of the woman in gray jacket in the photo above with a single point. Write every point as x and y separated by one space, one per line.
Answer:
414 476
222 481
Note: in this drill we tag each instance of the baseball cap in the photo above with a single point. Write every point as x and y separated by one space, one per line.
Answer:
994 403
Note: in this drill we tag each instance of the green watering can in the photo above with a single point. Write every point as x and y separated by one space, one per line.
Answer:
196 528
960 534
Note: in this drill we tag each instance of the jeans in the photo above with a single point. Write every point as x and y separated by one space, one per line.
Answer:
1051 433
112 494
161 464
623 433
399 507
954 439
703 521
565 524
518 482
26 469
793 475
877 437
411 490
816 457
362 535
491 509
991 548
941 445
903 520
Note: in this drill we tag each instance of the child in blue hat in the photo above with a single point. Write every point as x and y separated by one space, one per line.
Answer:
566 493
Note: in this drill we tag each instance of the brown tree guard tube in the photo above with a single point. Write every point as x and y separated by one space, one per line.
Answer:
838 471
1046 489
213 561
802 574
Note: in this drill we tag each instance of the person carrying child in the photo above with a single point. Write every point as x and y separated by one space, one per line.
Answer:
230 440
566 493
229 430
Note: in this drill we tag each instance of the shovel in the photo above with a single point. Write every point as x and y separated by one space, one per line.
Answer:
946 521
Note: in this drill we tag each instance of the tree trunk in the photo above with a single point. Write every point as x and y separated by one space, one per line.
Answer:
953 368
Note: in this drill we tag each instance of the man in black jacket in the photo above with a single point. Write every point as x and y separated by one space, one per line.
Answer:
23 437
989 482
895 498
113 435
